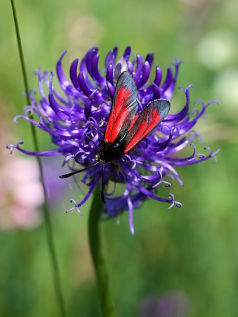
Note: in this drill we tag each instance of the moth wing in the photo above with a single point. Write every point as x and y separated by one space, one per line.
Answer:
147 120
124 108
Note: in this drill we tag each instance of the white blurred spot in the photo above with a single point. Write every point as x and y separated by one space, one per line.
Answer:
217 49
225 88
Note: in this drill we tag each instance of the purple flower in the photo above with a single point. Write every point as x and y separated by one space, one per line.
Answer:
77 119
171 304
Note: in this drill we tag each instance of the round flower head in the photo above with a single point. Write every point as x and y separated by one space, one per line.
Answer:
77 120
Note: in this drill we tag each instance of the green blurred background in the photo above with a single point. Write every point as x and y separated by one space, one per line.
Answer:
191 251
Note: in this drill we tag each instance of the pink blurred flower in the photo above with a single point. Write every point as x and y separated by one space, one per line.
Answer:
21 193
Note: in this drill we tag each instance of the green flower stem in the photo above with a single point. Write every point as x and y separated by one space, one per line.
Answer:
95 242
46 212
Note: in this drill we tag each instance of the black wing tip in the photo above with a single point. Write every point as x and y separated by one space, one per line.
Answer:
125 74
126 79
163 105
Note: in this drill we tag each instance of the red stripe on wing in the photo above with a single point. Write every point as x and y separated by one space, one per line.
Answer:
148 119
133 121
143 129
119 116
109 128
123 95
123 109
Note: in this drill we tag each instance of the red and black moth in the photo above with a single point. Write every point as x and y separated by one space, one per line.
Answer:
125 127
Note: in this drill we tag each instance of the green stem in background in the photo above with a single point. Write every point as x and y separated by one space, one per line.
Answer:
47 218
95 242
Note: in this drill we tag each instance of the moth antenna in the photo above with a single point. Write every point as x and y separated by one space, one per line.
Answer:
78 171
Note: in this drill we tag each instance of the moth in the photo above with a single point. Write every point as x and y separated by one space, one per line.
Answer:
125 127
